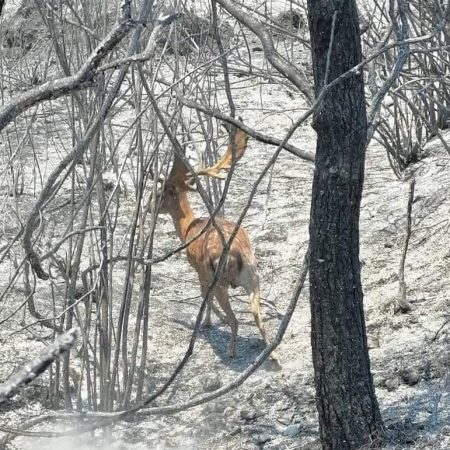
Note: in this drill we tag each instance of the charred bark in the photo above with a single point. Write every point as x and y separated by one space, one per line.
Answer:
348 410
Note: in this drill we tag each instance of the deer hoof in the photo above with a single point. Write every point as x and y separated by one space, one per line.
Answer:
274 365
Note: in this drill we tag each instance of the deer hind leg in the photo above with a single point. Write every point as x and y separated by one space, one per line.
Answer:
207 319
222 297
210 305
249 280
255 307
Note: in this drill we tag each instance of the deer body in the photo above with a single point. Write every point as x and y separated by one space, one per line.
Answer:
204 252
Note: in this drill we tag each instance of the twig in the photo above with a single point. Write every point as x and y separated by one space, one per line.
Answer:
439 330
47 323
149 50
403 304
223 60
68 236
8 246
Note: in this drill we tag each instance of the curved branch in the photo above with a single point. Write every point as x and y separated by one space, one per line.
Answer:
291 72
56 88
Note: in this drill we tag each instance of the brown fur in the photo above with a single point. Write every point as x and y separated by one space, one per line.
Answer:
204 253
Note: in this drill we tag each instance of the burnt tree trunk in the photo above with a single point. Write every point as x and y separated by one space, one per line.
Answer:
348 410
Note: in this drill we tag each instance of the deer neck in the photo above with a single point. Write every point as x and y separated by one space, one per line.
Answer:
182 215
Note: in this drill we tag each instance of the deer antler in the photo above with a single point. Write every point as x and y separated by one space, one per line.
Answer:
238 146
181 177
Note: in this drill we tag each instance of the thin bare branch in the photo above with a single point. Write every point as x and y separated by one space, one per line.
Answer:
402 303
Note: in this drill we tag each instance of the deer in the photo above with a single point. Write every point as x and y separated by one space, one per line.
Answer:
203 253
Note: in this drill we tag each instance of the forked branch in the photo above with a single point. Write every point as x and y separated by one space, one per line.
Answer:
57 88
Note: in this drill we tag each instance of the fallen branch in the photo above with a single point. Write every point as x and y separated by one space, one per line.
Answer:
436 335
34 368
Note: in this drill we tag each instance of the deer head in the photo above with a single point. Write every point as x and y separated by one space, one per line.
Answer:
177 182
180 179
